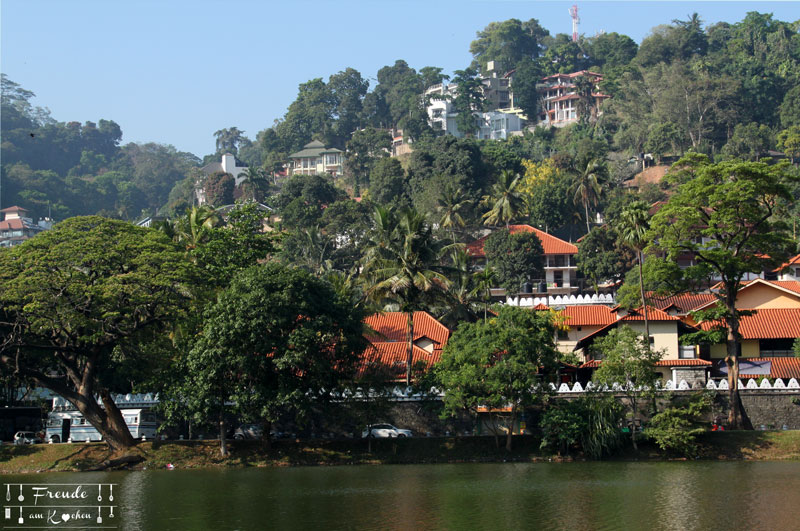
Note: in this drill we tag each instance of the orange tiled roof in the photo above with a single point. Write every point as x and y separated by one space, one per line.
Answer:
653 314
683 363
773 323
588 315
685 302
791 285
393 327
779 368
541 306
393 355
550 244
793 260
593 364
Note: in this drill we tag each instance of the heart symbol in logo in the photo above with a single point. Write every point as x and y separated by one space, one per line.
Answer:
65 517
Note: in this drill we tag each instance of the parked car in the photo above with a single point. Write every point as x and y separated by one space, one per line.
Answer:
384 430
248 431
26 437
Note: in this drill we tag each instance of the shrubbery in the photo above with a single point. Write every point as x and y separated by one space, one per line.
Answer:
590 421
676 428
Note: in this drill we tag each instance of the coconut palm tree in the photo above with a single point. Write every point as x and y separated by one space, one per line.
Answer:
255 184
505 200
632 227
587 187
461 298
451 204
402 265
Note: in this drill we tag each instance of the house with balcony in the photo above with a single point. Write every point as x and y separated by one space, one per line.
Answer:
316 159
493 124
560 266
16 226
559 97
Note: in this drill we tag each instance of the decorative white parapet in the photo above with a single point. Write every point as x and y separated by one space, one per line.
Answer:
793 384
528 301
578 388
563 388
751 384
779 384
741 385
765 384
683 386
552 386
670 385
711 385
723 385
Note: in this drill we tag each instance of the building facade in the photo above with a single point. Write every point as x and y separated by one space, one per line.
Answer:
316 159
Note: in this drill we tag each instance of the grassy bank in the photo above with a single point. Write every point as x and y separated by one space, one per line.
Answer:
752 445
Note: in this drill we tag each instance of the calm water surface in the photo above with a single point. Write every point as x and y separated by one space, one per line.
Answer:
574 496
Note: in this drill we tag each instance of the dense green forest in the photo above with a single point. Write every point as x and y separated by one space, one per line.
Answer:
729 90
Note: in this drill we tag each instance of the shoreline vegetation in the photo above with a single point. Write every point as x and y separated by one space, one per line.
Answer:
83 457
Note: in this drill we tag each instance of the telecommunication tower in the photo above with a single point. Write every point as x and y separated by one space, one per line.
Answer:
573 11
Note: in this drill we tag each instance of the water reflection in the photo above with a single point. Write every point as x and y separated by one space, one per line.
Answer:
574 496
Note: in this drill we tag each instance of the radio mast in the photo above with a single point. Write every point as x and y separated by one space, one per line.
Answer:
573 11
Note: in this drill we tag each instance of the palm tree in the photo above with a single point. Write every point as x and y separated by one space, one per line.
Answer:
451 203
255 183
193 229
505 200
484 280
632 227
588 187
402 265
462 297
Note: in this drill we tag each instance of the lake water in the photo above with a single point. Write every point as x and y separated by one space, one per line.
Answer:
574 496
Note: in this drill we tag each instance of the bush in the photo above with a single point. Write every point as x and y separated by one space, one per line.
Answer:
591 421
676 428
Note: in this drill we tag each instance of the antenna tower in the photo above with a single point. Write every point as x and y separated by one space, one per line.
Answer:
573 11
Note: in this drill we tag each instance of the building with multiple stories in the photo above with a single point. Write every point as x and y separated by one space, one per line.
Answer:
559 95
316 159
16 226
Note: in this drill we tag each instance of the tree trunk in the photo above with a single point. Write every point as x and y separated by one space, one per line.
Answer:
267 436
586 210
732 361
633 424
644 300
410 356
118 430
511 428
223 442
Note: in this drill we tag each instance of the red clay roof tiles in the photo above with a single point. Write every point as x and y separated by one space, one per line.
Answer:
588 315
550 244
774 323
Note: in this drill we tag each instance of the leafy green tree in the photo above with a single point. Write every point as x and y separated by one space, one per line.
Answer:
507 43
601 257
348 89
468 100
388 183
727 218
504 361
402 266
218 188
749 141
303 199
789 141
628 362
364 149
278 340
790 108
515 258
256 185
504 200
527 76
85 299
452 204
228 140
676 428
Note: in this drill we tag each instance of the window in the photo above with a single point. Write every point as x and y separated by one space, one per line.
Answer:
563 334
686 352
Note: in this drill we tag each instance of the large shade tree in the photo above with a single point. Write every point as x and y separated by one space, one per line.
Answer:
80 305
728 219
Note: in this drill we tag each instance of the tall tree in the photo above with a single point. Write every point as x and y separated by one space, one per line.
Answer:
505 361
85 299
728 218
228 140
515 258
402 266
468 100
632 227
504 200
507 43
588 186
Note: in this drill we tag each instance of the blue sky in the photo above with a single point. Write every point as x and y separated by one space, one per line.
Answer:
176 71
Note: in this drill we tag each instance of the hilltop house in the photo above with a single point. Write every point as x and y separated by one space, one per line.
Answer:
560 267
227 164
16 226
560 98
316 159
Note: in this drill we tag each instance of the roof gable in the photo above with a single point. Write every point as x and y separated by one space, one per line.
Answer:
588 315
393 327
550 244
